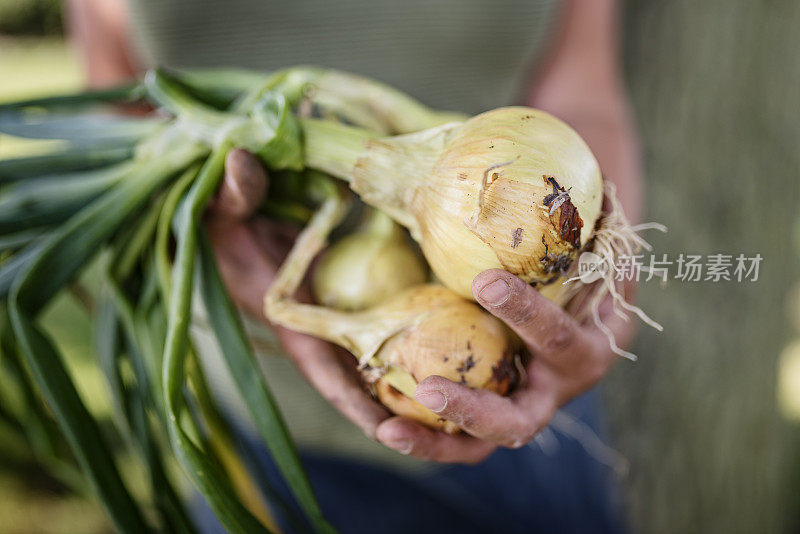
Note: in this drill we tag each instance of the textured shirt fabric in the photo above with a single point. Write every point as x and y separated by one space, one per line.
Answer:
466 56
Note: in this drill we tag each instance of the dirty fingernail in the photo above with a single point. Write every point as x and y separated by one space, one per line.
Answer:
434 401
495 293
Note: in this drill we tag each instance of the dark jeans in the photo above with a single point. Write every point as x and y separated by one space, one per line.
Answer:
553 488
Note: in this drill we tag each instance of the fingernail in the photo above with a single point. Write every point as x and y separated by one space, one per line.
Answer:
434 401
403 446
495 293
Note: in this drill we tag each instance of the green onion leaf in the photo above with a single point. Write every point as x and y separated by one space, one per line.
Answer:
207 475
67 160
247 375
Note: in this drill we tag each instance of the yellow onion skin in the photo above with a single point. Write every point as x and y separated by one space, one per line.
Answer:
455 339
487 193
366 268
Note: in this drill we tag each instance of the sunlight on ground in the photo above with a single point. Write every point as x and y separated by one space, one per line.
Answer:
32 67
789 381
25 510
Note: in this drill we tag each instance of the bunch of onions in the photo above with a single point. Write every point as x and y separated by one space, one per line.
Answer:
513 188
421 331
368 266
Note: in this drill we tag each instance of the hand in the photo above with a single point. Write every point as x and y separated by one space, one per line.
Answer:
568 358
249 249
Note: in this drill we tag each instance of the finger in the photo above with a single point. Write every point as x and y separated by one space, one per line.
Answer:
543 325
334 375
242 189
407 437
248 260
246 270
508 421
275 238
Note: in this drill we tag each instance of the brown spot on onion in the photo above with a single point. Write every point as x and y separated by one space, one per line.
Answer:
569 222
516 238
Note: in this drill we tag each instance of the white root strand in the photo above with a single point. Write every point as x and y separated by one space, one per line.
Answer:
614 237
591 442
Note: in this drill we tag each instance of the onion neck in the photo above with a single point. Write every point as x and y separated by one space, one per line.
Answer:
332 147
385 172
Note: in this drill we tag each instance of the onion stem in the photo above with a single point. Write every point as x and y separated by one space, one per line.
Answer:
332 147
361 333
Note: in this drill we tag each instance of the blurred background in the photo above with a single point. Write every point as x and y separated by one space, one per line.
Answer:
709 417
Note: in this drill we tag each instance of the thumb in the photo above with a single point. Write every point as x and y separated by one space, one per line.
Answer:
242 189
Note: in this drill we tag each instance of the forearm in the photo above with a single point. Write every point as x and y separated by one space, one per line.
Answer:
612 137
98 30
581 83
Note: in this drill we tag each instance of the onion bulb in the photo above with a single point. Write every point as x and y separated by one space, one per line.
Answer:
422 331
368 266
513 188
447 336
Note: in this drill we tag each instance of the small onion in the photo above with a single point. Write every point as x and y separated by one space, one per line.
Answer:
450 337
367 267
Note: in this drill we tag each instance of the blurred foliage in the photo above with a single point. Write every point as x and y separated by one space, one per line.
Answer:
32 17
31 501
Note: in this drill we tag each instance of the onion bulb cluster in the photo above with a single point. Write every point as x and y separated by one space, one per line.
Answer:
513 188
421 331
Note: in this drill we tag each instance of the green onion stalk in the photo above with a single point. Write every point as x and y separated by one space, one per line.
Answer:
130 192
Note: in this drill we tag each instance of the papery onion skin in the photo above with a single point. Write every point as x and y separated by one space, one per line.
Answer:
480 194
456 340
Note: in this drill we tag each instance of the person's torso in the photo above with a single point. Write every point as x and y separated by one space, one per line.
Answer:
466 56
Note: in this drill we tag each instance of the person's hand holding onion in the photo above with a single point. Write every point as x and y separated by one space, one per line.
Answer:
563 354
